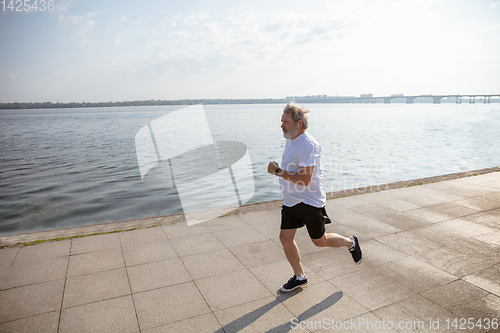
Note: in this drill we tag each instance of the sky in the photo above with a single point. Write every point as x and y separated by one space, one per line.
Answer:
100 51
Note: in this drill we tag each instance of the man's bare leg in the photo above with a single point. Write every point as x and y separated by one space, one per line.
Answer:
287 239
333 240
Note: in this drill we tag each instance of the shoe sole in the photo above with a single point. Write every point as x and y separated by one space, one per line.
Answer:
360 260
283 290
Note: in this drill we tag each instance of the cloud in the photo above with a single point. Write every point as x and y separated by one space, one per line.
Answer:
299 46
196 18
15 77
62 6
153 44
490 27
495 4
241 41
80 24
77 21
261 41
116 42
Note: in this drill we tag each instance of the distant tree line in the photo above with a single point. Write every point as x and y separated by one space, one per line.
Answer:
50 105
297 99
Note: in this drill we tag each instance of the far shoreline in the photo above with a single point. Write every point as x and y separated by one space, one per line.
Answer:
28 238
319 99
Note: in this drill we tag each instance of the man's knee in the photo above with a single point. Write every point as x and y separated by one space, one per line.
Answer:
286 237
319 242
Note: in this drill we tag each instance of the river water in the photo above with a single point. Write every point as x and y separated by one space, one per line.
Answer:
71 167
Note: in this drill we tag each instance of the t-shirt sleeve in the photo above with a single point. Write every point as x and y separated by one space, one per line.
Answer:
308 155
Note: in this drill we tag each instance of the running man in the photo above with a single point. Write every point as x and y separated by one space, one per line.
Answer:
301 177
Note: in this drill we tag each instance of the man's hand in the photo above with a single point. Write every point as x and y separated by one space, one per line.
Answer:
303 177
272 167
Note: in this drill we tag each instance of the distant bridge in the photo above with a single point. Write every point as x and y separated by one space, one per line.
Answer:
436 99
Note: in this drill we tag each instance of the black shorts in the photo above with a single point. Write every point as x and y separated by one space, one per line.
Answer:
303 214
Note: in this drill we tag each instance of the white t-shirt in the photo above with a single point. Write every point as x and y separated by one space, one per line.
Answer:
303 151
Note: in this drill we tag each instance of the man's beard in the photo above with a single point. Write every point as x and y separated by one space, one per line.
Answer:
290 134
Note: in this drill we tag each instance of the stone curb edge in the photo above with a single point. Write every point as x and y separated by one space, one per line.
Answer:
148 222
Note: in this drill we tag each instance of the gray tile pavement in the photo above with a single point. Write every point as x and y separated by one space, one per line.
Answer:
431 255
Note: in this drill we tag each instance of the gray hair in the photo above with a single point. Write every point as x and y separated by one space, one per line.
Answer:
297 113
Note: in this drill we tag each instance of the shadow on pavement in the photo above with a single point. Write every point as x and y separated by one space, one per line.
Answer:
246 320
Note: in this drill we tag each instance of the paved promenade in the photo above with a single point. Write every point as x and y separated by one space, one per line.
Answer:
431 256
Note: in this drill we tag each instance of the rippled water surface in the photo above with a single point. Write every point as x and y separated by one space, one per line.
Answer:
70 167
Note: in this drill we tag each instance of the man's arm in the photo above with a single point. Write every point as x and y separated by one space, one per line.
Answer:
303 177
